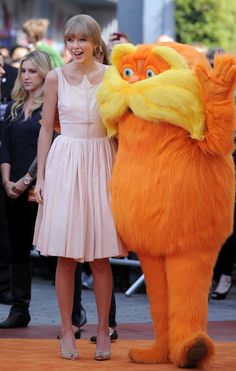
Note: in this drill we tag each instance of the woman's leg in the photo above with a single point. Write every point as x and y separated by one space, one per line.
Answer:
65 289
102 277
112 319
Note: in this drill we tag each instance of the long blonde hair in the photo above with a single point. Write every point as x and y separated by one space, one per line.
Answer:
42 63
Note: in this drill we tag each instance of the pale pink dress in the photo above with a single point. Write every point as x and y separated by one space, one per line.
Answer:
75 220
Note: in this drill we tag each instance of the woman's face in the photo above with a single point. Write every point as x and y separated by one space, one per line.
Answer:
30 77
2 71
80 48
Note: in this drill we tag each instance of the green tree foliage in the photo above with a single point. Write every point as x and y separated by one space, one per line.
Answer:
210 22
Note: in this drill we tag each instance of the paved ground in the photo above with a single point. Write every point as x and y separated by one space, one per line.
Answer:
133 316
131 309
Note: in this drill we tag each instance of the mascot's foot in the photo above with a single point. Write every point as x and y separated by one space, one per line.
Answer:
195 355
150 355
195 352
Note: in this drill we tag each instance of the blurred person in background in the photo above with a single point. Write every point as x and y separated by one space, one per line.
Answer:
210 54
17 52
18 149
5 292
7 83
8 76
35 30
222 274
116 38
5 53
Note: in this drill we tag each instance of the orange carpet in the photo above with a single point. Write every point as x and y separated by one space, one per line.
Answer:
41 354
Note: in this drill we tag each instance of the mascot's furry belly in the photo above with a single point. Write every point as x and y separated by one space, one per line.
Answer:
167 195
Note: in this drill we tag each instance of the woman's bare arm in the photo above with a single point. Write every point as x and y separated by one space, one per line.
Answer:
46 131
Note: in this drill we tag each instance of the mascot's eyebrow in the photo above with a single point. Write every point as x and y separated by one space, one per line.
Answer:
140 64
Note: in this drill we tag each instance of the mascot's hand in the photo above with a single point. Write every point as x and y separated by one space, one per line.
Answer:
218 84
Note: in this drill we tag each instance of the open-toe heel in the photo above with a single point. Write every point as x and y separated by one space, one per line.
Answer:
69 355
102 356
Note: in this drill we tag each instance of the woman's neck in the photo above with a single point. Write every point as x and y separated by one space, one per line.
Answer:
84 68
29 103
74 72
31 96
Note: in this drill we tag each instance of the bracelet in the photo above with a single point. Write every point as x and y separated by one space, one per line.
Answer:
27 180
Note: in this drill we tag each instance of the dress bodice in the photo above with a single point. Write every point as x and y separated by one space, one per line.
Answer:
78 110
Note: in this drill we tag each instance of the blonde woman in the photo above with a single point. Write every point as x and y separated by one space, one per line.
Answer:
73 182
18 149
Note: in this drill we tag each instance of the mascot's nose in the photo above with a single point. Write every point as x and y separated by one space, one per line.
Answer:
133 79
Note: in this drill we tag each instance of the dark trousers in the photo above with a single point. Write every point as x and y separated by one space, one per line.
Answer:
21 215
4 245
227 256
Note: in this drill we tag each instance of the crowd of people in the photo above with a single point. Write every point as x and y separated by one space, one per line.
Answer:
55 153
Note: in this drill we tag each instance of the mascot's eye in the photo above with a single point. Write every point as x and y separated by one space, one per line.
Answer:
128 72
150 73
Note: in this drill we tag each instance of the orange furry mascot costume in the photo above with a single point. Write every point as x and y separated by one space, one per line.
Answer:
172 183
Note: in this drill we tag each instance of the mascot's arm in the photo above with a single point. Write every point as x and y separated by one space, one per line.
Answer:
217 88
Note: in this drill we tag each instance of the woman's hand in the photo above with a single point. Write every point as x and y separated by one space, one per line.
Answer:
8 186
39 188
19 186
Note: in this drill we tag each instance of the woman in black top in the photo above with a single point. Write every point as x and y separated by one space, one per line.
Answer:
18 150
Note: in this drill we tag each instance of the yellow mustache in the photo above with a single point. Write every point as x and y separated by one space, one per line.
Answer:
172 96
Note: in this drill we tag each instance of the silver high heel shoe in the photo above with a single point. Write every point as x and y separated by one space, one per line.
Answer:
69 355
102 356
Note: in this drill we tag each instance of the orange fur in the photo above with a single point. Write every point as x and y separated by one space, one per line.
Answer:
173 203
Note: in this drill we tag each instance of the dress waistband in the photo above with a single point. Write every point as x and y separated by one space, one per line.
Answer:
83 131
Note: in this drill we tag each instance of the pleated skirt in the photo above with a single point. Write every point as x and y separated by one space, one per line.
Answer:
75 219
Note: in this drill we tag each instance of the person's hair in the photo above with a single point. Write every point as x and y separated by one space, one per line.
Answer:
85 25
36 28
116 36
42 63
102 51
17 52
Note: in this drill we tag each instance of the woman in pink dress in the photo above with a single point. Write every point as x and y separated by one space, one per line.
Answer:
74 221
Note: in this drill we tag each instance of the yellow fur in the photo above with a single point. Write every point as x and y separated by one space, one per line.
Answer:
173 96
175 60
119 52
